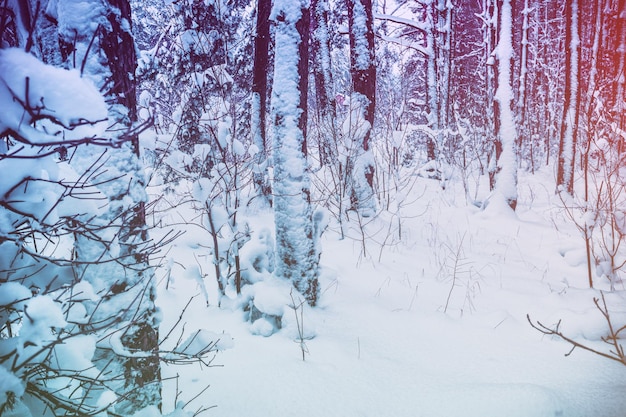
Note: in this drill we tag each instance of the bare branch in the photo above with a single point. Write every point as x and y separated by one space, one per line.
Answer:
615 354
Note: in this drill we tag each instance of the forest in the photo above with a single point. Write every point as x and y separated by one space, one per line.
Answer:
312 207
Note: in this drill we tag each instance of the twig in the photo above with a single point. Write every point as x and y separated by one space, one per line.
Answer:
612 339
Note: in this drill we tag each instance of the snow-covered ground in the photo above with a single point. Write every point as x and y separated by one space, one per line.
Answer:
432 325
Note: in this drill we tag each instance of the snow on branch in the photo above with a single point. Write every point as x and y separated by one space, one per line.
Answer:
46 106
416 46
423 26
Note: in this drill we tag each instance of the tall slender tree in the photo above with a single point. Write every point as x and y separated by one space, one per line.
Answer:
505 128
569 130
259 93
441 16
620 79
326 113
523 131
296 253
363 71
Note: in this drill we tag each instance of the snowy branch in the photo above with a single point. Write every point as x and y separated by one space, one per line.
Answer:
406 43
423 26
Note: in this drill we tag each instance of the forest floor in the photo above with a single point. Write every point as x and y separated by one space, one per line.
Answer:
432 324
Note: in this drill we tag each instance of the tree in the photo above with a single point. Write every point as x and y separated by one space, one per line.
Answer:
259 92
325 110
569 130
505 129
296 254
51 317
440 16
363 71
523 130
105 53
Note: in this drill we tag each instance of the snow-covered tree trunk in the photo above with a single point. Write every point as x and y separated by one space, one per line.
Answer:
569 130
296 254
506 171
326 130
363 71
96 37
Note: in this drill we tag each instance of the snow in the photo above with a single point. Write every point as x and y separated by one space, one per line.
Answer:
77 23
362 57
272 296
437 327
44 315
13 293
48 87
9 383
203 341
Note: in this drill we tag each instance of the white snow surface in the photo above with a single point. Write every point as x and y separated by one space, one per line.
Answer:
432 325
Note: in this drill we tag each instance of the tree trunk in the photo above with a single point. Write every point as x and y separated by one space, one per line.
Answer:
108 56
296 254
442 13
322 75
569 130
363 71
524 133
259 96
505 129
490 11
432 91
620 79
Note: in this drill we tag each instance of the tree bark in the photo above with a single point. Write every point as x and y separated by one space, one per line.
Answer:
569 130
363 71
259 74
259 98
